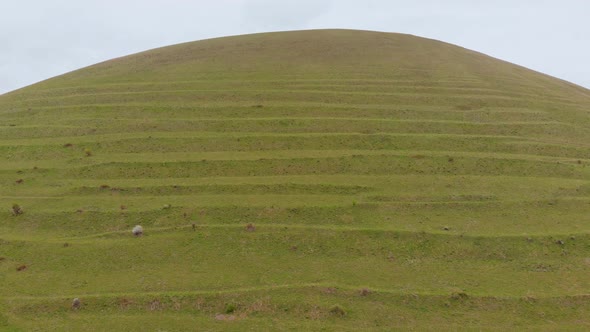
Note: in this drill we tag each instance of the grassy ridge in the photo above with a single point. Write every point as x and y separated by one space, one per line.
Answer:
451 187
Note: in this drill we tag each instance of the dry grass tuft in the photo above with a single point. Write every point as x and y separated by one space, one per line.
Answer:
155 305
337 310
365 292
328 290
125 303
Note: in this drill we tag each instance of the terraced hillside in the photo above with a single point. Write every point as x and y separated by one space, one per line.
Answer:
390 182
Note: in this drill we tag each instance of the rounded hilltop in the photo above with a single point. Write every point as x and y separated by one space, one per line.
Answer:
292 180
337 54
281 67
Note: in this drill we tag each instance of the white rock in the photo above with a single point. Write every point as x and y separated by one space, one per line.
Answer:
137 230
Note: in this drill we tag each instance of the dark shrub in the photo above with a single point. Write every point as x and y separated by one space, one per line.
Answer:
365 292
17 209
230 308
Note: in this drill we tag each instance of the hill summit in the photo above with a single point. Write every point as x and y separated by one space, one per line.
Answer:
323 179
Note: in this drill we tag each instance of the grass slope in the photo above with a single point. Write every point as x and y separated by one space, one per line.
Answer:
394 182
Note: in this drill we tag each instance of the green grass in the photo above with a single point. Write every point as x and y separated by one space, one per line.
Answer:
452 187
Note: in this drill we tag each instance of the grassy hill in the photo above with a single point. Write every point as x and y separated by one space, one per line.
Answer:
391 182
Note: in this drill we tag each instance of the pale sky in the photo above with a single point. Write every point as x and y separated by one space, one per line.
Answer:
40 39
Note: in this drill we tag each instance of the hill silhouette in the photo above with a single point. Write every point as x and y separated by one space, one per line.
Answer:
333 179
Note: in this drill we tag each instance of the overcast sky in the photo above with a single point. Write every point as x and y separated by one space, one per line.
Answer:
40 38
